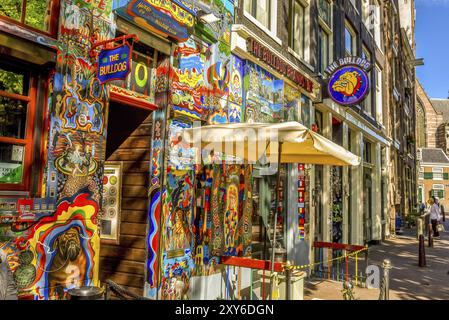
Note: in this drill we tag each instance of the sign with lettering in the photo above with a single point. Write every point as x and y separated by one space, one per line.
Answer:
114 64
348 80
279 64
164 17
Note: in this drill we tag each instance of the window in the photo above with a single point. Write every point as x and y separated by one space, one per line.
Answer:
319 121
350 40
366 13
376 22
437 173
367 102
421 169
16 126
297 28
325 11
33 13
438 190
261 10
379 101
323 47
366 151
305 110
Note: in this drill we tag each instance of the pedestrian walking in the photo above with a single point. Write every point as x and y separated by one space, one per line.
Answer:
435 215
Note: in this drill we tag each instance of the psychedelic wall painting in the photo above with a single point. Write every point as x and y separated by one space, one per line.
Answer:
292 102
236 90
59 248
263 95
301 201
156 192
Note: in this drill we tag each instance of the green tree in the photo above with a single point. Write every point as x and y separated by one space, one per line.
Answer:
36 12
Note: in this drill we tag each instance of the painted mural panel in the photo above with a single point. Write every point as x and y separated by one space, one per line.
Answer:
264 95
58 249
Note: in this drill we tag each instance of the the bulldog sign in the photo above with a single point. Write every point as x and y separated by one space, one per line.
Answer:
348 80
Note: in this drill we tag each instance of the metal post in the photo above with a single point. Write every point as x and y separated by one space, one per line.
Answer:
422 251
386 265
278 185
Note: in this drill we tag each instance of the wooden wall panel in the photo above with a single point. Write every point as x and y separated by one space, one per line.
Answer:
125 263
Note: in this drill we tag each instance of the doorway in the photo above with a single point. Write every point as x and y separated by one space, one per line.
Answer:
128 144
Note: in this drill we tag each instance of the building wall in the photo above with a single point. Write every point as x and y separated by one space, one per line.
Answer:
427 183
433 119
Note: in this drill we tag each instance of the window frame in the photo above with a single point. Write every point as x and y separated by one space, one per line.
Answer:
54 20
353 34
291 26
28 140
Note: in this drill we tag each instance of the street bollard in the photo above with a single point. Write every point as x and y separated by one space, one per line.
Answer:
430 235
385 287
422 251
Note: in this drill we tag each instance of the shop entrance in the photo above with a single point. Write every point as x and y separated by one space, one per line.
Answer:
122 251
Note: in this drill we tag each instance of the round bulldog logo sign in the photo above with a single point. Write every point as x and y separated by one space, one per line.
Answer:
348 85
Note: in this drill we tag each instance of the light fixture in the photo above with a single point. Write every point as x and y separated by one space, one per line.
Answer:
209 18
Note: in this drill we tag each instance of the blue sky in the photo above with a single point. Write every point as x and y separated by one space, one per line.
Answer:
432 40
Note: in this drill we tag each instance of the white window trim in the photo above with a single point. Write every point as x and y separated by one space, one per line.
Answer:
437 170
354 37
379 93
354 5
306 58
438 187
273 12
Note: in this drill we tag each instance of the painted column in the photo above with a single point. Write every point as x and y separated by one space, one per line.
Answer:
64 247
327 190
357 192
377 195
346 190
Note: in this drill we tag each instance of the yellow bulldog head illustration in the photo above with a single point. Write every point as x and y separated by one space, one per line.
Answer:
348 83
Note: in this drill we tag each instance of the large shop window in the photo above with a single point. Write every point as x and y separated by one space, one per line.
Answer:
32 13
16 127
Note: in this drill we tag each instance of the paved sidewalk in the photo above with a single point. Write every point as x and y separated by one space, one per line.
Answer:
407 280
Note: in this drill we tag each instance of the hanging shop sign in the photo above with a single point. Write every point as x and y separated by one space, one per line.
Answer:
266 55
167 18
114 63
348 80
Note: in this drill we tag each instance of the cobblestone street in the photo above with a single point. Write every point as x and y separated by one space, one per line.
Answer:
407 280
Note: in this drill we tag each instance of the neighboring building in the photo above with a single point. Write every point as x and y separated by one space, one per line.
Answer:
399 48
358 194
442 134
428 120
433 175
97 183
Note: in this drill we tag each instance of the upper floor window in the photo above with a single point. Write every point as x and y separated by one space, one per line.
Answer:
32 13
261 10
350 40
437 170
367 151
367 104
379 100
297 27
325 11
323 49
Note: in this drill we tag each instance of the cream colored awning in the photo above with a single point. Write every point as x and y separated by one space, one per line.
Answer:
249 141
